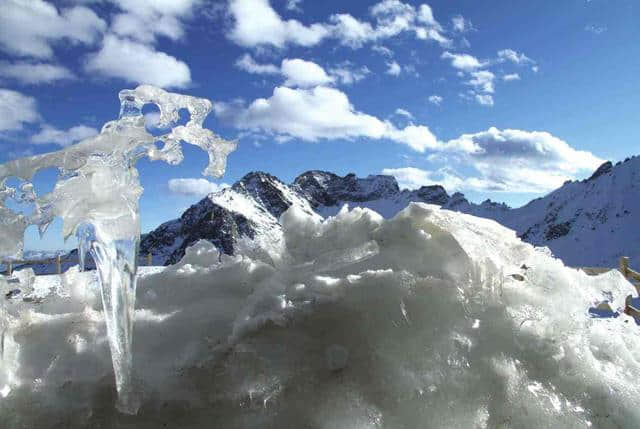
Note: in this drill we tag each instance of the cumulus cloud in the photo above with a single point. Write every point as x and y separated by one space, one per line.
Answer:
346 74
382 50
303 73
257 23
138 63
523 161
503 161
513 56
414 178
145 20
482 80
318 113
16 109
195 187
404 112
436 99
484 99
32 27
49 134
511 77
294 5
463 62
393 68
460 24
248 64
34 73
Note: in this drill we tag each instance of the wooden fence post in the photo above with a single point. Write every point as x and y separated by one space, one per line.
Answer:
149 259
624 265
58 264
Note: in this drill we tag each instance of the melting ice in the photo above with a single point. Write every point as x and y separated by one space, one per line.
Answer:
97 196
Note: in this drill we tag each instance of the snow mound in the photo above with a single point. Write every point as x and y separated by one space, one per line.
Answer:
429 318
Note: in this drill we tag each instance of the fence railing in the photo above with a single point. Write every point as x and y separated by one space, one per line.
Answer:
628 273
59 261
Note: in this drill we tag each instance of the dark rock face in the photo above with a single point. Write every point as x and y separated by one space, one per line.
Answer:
603 169
207 220
434 194
557 230
202 221
327 189
262 187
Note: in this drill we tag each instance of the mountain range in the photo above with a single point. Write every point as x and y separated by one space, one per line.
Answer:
590 222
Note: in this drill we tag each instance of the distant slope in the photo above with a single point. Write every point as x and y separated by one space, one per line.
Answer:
590 222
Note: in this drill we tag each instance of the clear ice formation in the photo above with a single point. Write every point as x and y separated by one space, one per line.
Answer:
97 196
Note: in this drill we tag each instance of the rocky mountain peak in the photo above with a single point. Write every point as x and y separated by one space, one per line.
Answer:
266 189
433 194
603 169
328 189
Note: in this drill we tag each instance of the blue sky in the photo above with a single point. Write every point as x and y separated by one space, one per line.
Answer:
501 100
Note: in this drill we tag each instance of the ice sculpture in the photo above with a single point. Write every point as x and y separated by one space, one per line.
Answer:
97 195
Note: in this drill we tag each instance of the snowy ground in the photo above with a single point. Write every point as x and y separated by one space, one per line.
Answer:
430 319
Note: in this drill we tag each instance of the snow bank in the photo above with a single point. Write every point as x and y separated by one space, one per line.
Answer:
432 318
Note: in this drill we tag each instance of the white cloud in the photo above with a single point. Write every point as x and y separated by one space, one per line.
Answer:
464 62
257 23
511 77
436 99
484 99
138 63
346 74
502 161
304 74
595 29
32 27
513 56
393 68
294 5
248 64
318 113
49 134
522 161
482 80
382 50
404 112
461 25
195 187
34 73
16 109
145 20
350 31
414 178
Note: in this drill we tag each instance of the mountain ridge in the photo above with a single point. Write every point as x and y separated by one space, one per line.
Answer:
573 220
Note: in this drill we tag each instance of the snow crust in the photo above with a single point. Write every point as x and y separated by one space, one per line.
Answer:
431 318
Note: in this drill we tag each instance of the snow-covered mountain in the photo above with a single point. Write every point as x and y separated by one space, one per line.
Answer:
591 222
586 223
248 210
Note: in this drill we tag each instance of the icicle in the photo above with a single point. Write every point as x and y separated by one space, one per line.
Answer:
97 196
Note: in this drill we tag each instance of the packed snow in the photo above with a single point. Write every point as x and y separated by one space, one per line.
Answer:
429 319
